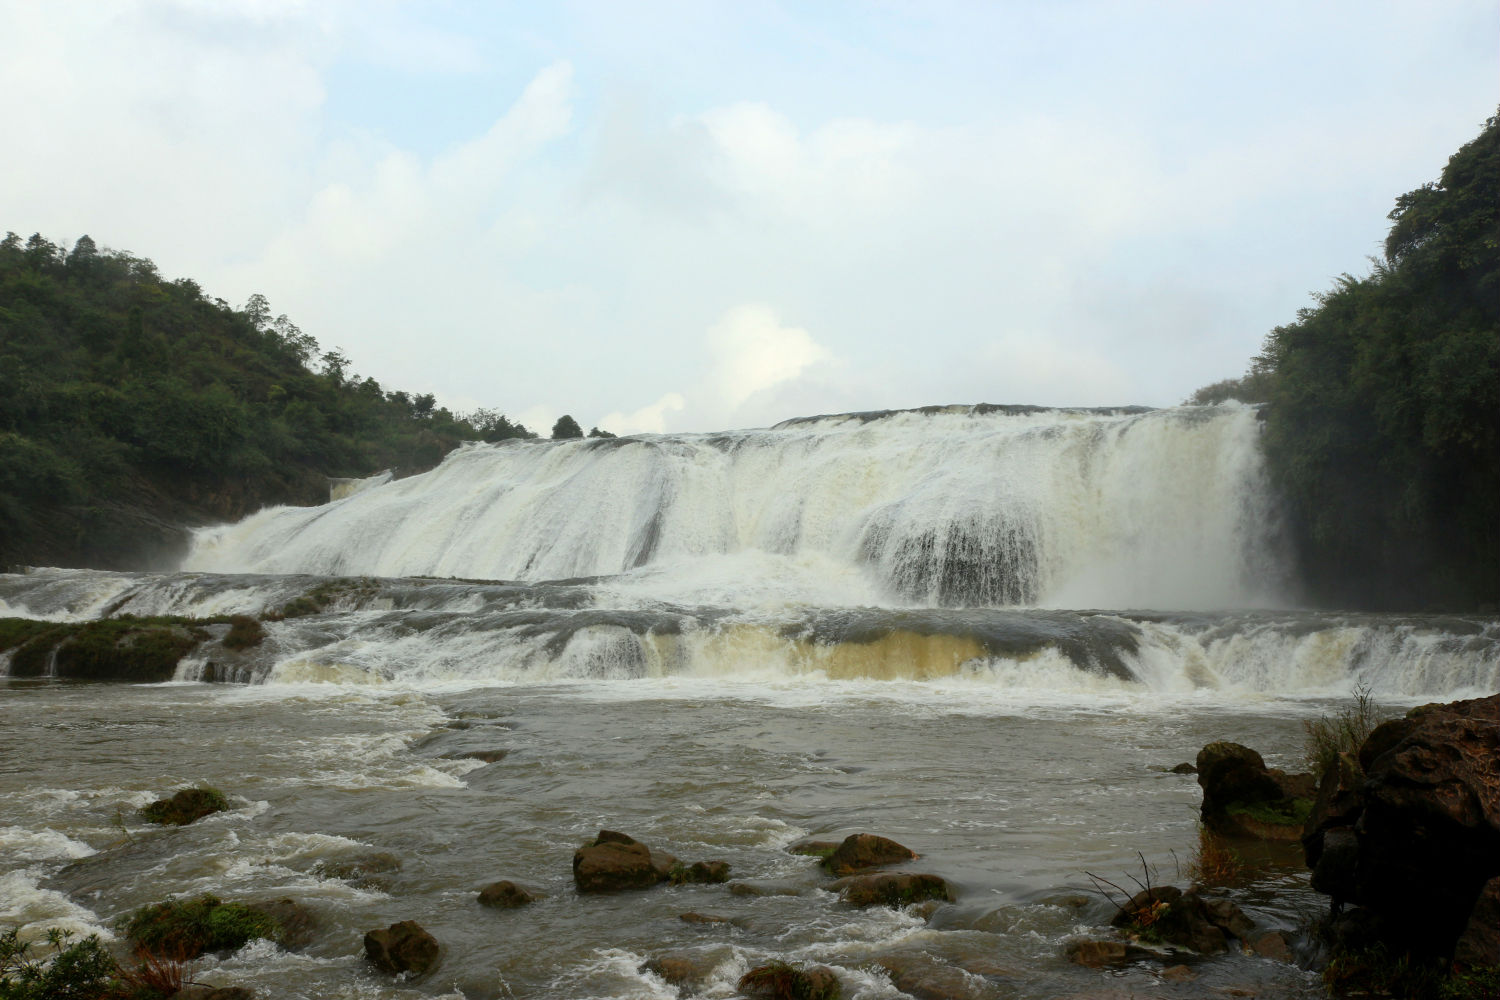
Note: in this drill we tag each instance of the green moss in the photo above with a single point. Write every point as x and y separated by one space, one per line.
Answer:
1283 812
1474 984
1376 972
316 600
186 806
16 631
185 929
244 632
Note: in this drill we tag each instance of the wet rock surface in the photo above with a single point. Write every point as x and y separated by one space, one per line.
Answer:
862 851
402 947
506 895
1410 831
1244 798
615 862
892 889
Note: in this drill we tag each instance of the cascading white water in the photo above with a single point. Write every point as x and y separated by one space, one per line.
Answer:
968 508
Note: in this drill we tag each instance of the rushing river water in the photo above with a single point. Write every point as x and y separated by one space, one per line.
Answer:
719 645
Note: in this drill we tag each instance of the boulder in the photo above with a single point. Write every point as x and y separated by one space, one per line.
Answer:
1178 974
402 947
1273 945
1242 798
506 895
187 806
1412 833
297 925
614 861
1479 944
892 889
780 981
1168 915
862 851
680 968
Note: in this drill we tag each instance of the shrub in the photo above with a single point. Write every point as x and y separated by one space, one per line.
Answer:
80 971
184 929
1343 732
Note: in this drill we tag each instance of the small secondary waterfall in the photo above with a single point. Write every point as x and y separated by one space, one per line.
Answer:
959 507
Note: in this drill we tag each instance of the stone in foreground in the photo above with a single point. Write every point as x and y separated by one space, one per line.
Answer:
862 851
402 947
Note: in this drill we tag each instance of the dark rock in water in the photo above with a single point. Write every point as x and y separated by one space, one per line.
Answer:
1167 914
1178 974
814 848
703 918
861 851
892 889
297 924
680 968
487 756
1479 944
700 873
361 869
1185 768
615 861
185 807
183 929
1273 945
765 887
927 978
214 993
1414 839
780 981
1242 798
506 895
402 947
1096 954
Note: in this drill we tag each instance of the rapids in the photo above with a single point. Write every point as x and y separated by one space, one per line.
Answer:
985 631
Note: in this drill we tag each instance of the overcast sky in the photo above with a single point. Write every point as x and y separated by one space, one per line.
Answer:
690 216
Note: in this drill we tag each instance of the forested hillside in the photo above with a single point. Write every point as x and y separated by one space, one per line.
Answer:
1383 423
131 404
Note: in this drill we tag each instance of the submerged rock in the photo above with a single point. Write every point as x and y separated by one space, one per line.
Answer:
186 806
361 869
862 851
814 848
680 968
892 889
613 862
700 873
402 947
703 918
506 895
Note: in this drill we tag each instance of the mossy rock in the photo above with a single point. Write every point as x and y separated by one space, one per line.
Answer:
782 981
186 806
184 929
1282 819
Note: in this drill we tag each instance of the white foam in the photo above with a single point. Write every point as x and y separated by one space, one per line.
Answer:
25 904
40 845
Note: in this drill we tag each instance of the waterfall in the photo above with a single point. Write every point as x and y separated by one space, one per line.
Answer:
959 507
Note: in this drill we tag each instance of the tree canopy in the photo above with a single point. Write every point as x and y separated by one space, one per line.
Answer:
130 404
1383 416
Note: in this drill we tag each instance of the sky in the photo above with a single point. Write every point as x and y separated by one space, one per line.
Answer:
691 216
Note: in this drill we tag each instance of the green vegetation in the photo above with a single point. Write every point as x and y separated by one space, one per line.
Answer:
1383 423
186 806
130 404
1328 736
316 600
1283 812
1375 972
186 928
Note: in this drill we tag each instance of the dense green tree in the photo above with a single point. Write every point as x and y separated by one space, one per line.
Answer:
566 428
129 403
1383 416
